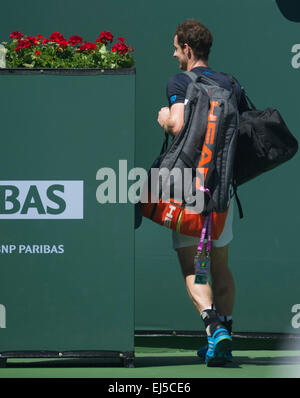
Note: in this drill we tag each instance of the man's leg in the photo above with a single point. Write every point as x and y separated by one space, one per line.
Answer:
222 281
202 296
221 293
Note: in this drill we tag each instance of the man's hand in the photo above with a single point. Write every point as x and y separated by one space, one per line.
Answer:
163 116
171 120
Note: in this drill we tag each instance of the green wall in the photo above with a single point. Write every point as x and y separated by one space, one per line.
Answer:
253 40
65 257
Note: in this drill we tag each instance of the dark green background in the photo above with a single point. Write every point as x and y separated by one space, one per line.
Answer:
253 41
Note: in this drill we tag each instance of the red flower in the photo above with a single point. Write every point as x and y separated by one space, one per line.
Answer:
57 37
37 52
88 46
23 44
105 37
16 35
121 48
121 39
45 41
63 43
75 40
32 39
40 37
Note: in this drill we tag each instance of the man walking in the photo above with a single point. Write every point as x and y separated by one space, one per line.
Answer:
192 43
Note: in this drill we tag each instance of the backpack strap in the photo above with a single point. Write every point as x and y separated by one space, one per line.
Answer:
238 202
165 144
232 82
253 107
192 75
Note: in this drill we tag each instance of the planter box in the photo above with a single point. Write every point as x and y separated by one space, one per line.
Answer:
66 285
66 71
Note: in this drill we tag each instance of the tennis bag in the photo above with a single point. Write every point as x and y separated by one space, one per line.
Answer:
264 143
193 177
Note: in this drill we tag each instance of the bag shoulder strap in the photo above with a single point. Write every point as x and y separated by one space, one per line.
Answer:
253 107
232 81
165 144
197 78
192 75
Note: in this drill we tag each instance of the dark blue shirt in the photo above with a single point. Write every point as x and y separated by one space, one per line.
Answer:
177 86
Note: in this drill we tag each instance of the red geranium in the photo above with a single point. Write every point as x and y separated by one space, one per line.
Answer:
121 48
33 40
23 43
39 51
75 39
88 46
105 37
16 35
56 37
63 43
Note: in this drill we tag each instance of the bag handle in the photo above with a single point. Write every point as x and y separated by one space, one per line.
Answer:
249 100
232 80
165 144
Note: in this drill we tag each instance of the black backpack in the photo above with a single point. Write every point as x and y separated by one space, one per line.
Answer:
264 142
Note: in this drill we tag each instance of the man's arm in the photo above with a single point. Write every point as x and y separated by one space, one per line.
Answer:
172 119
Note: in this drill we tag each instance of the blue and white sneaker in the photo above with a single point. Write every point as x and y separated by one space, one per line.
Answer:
218 346
203 350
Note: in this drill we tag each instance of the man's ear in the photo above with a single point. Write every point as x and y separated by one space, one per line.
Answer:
188 50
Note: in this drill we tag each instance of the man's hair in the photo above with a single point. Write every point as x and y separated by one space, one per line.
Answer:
197 36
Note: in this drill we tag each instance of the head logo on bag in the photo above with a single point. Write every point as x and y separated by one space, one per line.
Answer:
209 140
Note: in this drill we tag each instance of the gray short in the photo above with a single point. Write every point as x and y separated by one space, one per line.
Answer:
180 240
